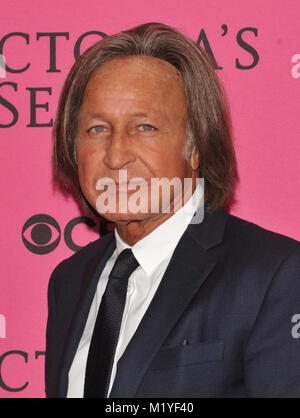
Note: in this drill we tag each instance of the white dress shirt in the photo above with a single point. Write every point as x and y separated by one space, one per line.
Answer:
153 252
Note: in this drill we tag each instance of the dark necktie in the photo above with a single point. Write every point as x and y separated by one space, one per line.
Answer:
107 327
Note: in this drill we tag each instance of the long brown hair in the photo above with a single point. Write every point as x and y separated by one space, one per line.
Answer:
209 120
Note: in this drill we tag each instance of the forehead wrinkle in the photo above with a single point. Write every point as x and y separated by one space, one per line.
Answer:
123 80
130 103
136 112
137 67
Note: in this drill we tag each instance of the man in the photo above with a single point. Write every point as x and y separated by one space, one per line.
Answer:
166 305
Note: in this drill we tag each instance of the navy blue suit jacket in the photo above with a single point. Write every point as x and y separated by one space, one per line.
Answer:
230 290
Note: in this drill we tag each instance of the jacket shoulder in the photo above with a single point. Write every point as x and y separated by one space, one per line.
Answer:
257 241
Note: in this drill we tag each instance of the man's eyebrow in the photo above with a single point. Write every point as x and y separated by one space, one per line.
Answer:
84 114
102 115
140 114
97 115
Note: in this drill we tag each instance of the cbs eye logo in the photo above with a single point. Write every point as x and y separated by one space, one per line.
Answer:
41 233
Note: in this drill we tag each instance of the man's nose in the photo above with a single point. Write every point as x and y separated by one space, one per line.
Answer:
119 151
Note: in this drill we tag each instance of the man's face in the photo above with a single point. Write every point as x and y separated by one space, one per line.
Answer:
133 117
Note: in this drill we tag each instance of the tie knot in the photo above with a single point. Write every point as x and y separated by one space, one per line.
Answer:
125 264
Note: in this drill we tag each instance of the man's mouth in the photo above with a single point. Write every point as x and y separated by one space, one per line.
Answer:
131 184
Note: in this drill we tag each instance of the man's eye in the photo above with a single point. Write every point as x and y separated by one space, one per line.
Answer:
147 128
97 129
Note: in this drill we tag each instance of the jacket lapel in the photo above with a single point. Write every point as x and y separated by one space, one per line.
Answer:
90 278
189 267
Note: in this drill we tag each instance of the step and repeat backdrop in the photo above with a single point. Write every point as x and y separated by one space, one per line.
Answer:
255 46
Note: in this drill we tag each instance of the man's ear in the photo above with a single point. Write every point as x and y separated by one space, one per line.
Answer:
195 159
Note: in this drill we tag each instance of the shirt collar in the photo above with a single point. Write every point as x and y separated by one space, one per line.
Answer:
160 243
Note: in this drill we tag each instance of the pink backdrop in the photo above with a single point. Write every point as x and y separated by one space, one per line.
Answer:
257 45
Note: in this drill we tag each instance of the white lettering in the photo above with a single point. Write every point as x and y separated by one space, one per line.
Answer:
2 326
296 68
296 328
